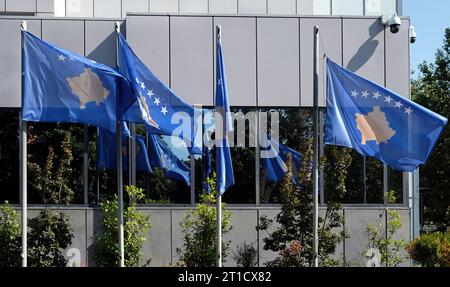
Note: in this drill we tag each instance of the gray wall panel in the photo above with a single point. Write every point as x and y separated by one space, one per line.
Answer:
134 6
79 242
243 230
164 6
363 51
2 5
45 6
79 8
177 233
101 42
157 247
10 60
405 233
397 59
193 6
107 8
278 61
192 58
67 34
149 39
331 35
21 5
239 52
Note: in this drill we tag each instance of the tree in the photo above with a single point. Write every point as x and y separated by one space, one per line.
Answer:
432 90
10 237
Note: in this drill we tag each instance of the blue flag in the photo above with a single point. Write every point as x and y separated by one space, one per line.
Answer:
224 125
107 151
60 86
206 167
162 156
377 122
275 160
157 106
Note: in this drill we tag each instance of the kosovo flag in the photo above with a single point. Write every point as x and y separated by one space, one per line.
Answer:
162 156
275 156
377 122
157 106
59 86
224 125
107 151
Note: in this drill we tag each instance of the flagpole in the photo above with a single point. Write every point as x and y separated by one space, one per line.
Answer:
23 165
315 246
85 165
219 196
119 162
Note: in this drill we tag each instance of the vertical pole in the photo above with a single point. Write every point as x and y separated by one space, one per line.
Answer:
23 167
85 165
321 153
132 155
315 171
97 171
192 159
385 184
257 162
364 183
119 163
219 196
147 187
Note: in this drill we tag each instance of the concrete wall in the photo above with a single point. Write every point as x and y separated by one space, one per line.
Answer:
166 236
268 59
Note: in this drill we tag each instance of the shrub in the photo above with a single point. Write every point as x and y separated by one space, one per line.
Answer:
246 255
431 250
10 237
136 226
199 228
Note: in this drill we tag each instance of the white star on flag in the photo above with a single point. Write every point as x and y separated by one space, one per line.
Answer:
398 104
61 58
142 85
354 93
164 110
376 95
137 80
150 93
408 110
388 99
365 94
157 101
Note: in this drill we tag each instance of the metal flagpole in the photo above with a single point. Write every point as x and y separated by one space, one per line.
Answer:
315 170
23 166
219 196
119 162
97 172
85 165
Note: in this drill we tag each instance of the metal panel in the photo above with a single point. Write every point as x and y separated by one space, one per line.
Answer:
164 6
67 34
282 7
20 6
363 48
79 8
224 7
101 42
252 6
278 62
191 44
397 60
2 5
177 238
149 39
157 245
347 7
239 49
45 6
134 6
107 8
404 233
331 35
10 60
193 6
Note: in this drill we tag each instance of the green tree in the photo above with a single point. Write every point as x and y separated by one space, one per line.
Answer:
431 250
199 228
432 90
137 224
10 237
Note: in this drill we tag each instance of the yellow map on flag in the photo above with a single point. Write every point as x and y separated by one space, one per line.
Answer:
88 87
374 126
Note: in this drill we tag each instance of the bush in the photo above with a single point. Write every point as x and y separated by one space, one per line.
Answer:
136 226
246 255
199 228
431 250
10 237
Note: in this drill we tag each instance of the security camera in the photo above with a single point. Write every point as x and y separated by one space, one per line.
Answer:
412 35
393 21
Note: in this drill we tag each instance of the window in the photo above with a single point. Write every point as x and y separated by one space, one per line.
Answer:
347 7
380 7
80 8
313 7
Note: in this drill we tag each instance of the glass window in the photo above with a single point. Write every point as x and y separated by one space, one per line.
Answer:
164 6
313 7
380 7
282 7
80 8
223 6
193 6
252 7
347 7
107 8
9 155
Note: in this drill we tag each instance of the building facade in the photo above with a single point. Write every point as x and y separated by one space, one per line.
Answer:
268 49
